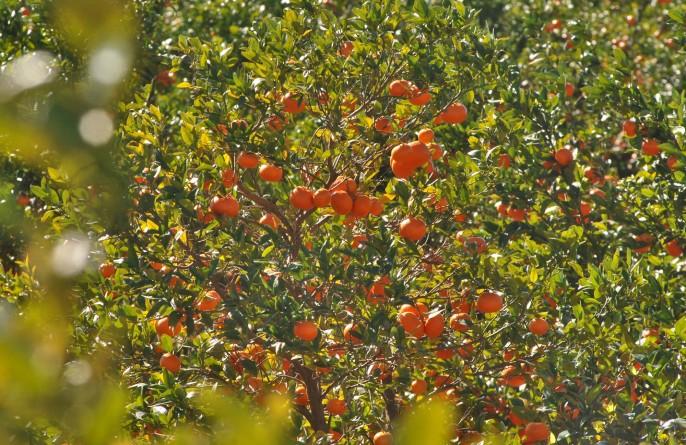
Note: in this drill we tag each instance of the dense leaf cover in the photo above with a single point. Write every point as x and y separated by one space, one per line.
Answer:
358 206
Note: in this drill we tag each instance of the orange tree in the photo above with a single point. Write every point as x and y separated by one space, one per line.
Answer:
364 205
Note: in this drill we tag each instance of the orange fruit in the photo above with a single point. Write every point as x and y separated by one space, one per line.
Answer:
420 98
419 154
229 178
411 323
275 123
376 207
225 206
383 438
419 387
383 125
651 147
336 407
346 49
292 104
436 151
162 327
341 202
672 162
209 301
564 156
629 127
458 322
302 198
489 302
400 88
401 170
362 205
425 135
352 334
247 159
433 327
536 432
306 330
516 214
412 229
321 198
170 362
270 220
301 397
455 113
569 89
107 270
538 326
271 173
343 183
673 248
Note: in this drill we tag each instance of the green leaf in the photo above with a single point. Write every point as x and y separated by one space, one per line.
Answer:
421 8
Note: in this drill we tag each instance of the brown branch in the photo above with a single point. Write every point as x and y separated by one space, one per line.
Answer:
392 409
317 418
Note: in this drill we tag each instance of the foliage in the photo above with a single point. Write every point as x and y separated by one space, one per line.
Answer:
549 195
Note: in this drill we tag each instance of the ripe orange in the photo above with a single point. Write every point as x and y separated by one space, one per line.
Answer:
419 154
436 151
306 330
420 98
651 147
504 161
162 327
412 229
569 89
361 206
629 127
672 162
425 135
322 198
170 362
412 323
343 183
377 207
346 49
673 248
489 302
225 206
516 214
536 432
247 159
292 104
336 407
383 438
538 326
383 125
434 325
270 220
351 334
107 270
341 202
458 322
400 88
271 173
302 198
301 397
209 301
455 113
419 387
229 178
564 156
